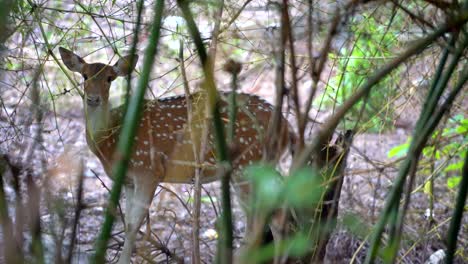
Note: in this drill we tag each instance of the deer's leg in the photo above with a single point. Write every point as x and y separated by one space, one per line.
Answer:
129 200
137 204
243 191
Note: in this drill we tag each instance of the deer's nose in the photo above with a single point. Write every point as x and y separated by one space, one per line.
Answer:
93 100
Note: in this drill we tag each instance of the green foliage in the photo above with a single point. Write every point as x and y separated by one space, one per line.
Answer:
459 125
453 182
373 45
400 150
296 246
451 150
267 185
301 190
457 128
204 199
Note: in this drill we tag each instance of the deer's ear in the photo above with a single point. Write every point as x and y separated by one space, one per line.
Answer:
123 67
71 60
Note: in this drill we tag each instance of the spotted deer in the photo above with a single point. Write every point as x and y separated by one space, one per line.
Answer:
163 149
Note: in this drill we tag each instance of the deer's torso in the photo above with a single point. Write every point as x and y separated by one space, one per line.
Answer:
163 147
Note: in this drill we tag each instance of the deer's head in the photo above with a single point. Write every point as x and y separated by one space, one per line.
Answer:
97 76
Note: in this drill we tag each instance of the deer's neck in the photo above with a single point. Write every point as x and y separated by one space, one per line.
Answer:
97 124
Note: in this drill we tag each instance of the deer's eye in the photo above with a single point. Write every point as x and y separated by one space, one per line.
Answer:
85 77
109 79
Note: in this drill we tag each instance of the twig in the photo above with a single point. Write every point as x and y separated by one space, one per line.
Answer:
196 154
294 81
270 151
78 209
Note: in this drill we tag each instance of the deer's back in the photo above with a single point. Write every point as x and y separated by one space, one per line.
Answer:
164 148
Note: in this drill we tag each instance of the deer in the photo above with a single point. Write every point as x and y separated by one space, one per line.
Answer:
163 149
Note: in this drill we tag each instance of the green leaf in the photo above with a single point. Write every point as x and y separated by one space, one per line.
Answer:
457 118
461 129
399 151
428 151
450 148
303 189
448 132
206 199
454 166
296 246
453 182
427 188
267 186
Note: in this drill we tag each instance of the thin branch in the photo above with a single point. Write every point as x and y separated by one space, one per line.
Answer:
196 154
294 81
